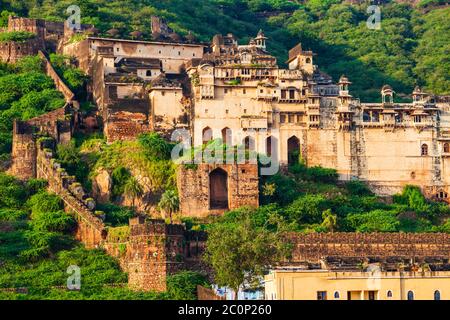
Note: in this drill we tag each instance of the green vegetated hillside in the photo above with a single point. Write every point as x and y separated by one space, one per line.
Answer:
36 242
411 48
37 248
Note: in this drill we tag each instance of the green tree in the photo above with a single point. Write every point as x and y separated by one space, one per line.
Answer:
133 189
240 252
169 202
329 220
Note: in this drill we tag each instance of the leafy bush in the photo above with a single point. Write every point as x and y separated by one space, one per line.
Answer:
12 192
307 209
358 188
183 285
374 221
16 36
116 215
43 202
12 214
155 147
120 177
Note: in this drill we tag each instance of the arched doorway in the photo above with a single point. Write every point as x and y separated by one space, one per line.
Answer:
218 189
206 135
227 136
293 150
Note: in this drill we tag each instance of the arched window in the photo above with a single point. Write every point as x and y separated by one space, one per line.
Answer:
206 135
424 149
148 73
446 147
308 60
437 295
336 295
389 294
227 136
271 146
410 295
249 143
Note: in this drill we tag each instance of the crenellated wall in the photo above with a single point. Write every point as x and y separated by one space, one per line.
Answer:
315 246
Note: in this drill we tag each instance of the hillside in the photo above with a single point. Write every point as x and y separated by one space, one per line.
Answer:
411 48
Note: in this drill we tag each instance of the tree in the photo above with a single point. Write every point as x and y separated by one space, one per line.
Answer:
169 202
240 251
329 220
133 189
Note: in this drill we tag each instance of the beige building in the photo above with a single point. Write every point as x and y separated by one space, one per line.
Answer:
242 96
292 284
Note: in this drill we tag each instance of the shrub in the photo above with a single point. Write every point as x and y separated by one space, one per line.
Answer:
374 221
36 185
120 177
183 285
358 188
307 209
12 192
155 147
12 214
116 215
43 202
16 36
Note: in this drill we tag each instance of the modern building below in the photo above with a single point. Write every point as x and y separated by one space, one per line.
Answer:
291 283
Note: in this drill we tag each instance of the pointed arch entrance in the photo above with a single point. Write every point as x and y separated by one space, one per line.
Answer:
218 189
293 150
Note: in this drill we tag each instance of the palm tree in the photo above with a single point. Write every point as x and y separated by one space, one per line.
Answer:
329 220
169 202
133 189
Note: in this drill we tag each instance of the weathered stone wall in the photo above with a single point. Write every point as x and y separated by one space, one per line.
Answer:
23 164
90 229
194 188
315 246
12 51
126 119
59 83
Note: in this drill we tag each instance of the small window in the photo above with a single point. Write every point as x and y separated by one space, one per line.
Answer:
163 93
389 294
245 110
366 116
148 73
424 150
410 295
446 147
227 111
336 295
437 295
282 118
117 49
321 295
244 91
308 60
225 90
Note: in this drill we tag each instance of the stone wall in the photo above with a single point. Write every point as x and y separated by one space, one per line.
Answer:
59 83
315 246
90 229
12 51
194 188
23 164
